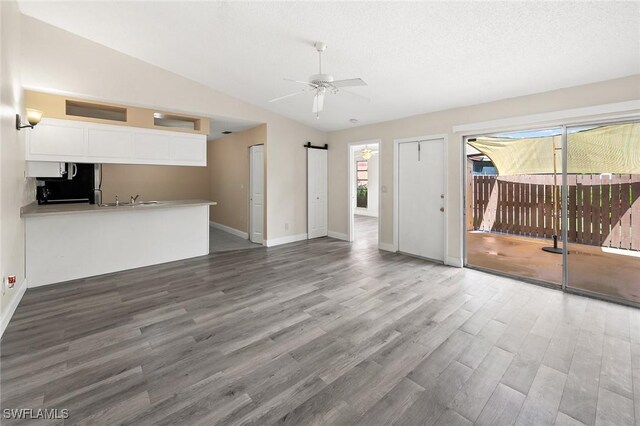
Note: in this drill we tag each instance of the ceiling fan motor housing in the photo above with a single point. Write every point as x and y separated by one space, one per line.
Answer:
323 81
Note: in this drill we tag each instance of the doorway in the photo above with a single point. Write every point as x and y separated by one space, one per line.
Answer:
364 193
420 191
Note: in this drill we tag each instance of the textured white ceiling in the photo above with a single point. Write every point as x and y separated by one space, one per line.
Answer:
416 57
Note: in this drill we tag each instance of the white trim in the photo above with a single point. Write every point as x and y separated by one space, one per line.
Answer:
396 144
338 235
229 230
453 261
11 308
548 118
387 247
285 240
351 184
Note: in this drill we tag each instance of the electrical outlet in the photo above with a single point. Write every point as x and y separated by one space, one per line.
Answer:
286 226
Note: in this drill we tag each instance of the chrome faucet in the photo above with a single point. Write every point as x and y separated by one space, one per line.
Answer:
134 199
117 201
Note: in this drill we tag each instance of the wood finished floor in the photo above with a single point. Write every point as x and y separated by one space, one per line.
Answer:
320 332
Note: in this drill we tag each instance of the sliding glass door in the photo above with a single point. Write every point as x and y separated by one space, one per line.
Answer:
513 194
603 214
516 187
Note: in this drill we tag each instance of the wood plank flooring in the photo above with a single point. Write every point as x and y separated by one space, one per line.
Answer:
320 332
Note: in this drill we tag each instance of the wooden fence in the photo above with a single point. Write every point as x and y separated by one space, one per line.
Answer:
602 210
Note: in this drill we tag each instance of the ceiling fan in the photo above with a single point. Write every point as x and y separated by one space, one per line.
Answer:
320 84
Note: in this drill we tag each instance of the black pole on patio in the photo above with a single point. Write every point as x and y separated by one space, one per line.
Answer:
555 249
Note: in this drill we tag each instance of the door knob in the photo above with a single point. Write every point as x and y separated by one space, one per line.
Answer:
441 209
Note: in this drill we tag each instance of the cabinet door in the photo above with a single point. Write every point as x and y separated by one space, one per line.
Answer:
50 141
110 143
151 147
190 150
45 169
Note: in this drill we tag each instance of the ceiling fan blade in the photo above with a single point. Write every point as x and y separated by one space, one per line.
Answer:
349 82
318 102
287 96
355 95
315 86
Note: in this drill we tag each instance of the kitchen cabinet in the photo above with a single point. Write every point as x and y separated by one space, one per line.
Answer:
72 241
86 142
45 169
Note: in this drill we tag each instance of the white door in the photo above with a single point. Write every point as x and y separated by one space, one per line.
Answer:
316 192
421 198
256 197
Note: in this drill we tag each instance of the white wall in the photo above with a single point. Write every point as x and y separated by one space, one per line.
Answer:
442 122
15 190
55 60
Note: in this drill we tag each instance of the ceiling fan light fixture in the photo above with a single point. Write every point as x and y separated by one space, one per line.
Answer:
366 153
323 83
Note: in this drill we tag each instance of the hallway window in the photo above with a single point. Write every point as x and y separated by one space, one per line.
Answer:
362 180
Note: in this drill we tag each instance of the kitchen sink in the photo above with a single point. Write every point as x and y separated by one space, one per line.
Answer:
138 203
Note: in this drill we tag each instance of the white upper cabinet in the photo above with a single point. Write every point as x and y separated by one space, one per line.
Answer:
56 139
187 150
110 143
86 142
150 147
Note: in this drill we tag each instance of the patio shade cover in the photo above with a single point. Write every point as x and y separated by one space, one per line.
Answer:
607 149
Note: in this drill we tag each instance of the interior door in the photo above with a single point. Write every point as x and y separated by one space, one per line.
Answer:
256 197
421 198
316 193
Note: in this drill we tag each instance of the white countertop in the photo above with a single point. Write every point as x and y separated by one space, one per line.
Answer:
35 210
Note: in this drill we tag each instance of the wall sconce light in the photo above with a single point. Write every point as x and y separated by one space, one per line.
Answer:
33 117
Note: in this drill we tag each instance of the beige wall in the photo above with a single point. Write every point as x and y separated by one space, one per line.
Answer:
58 61
228 163
154 182
442 122
15 190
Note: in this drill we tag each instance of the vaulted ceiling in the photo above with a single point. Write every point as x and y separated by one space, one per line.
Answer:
416 57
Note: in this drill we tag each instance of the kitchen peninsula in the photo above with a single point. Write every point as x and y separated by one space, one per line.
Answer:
71 241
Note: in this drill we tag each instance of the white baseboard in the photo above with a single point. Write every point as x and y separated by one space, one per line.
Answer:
230 230
338 235
387 247
11 308
285 240
453 261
